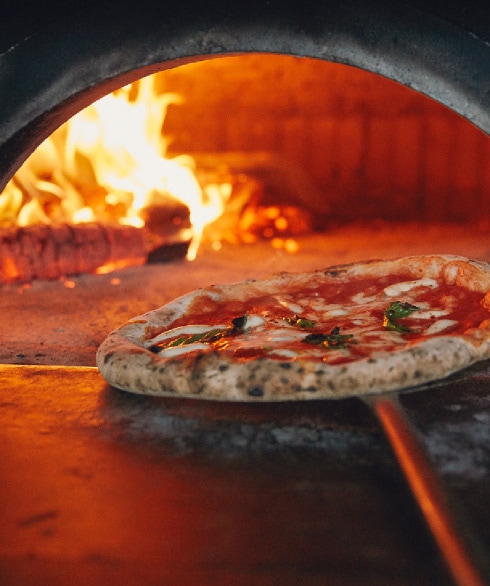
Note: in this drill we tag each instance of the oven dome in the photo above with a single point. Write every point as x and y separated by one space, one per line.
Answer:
57 58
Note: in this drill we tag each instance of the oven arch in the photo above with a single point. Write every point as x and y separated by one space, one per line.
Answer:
52 70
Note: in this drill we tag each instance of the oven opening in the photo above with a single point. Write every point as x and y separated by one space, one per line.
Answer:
225 169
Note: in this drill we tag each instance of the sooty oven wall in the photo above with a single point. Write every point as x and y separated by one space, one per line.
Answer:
56 58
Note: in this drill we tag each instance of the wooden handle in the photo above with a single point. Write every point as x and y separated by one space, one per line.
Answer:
428 490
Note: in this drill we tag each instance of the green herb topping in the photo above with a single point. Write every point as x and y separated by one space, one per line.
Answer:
395 311
334 340
299 321
238 326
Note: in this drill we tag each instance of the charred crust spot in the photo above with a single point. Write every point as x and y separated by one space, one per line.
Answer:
311 389
372 360
107 357
256 392
284 380
285 365
223 367
417 374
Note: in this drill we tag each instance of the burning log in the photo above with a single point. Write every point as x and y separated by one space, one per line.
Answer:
54 251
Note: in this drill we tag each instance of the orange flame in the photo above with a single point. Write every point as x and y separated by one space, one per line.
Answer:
108 162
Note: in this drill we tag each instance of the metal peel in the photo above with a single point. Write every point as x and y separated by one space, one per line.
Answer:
427 488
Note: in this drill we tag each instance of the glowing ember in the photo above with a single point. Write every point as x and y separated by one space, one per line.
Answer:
100 194
108 164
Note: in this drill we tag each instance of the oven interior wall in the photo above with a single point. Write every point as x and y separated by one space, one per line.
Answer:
371 147
375 154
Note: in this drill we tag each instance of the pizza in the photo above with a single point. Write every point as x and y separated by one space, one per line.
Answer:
347 330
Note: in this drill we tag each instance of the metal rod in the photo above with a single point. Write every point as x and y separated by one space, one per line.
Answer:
427 489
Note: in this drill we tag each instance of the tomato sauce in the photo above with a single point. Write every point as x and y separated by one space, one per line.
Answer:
323 303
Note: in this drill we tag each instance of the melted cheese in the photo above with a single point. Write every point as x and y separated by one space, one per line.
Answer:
354 310
253 321
399 288
439 326
179 350
289 305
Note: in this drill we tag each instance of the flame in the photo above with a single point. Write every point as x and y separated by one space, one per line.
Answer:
109 163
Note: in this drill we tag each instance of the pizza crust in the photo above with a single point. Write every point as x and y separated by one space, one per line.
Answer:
126 364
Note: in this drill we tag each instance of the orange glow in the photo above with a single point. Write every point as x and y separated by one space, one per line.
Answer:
10 268
108 164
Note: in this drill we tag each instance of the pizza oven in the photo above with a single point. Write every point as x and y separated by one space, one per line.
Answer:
343 131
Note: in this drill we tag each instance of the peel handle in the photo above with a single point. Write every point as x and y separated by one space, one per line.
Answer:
427 490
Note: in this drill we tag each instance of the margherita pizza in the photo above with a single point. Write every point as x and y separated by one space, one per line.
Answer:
347 330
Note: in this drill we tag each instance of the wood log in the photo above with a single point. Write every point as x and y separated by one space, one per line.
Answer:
55 251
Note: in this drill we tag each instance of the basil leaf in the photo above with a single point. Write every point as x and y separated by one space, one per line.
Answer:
239 323
299 321
334 340
395 311
209 337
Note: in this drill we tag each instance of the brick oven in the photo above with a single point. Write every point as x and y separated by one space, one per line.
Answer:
371 118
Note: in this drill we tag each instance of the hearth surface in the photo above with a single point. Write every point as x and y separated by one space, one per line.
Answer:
63 322
101 486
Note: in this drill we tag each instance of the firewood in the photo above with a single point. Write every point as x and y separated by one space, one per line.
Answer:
55 251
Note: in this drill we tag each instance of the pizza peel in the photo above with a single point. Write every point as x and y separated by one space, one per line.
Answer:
443 516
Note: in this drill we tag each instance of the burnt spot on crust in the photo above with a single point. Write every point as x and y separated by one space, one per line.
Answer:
311 389
256 391
108 356
223 367
285 365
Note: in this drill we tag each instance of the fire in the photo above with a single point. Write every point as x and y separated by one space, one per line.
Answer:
101 194
108 163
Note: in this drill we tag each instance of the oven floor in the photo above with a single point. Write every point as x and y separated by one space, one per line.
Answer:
63 322
103 487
